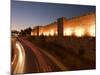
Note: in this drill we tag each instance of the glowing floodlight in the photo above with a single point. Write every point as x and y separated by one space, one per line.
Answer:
79 31
51 32
91 31
68 32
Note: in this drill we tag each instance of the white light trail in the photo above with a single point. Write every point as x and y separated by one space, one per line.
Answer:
21 59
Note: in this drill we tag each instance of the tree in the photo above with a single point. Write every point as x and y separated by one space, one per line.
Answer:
15 31
26 31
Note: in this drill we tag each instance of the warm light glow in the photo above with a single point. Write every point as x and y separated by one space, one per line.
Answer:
44 34
79 31
55 33
47 34
40 34
51 32
68 32
32 34
91 30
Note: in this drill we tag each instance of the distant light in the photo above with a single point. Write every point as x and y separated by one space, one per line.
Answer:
40 34
68 32
44 34
32 34
51 32
35 34
79 31
91 30
47 34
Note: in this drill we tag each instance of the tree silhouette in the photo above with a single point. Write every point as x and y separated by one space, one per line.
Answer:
26 31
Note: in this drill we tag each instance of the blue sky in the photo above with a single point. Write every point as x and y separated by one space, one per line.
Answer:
30 14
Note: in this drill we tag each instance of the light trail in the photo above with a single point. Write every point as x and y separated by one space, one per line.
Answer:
19 68
42 62
15 57
55 60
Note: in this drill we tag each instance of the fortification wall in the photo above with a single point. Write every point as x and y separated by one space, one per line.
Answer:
84 24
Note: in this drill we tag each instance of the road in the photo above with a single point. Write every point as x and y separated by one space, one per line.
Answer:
38 57
31 59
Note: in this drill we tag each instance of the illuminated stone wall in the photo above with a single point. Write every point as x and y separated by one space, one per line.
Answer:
78 26
50 29
81 25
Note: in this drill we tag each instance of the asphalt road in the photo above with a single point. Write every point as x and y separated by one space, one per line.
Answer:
31 59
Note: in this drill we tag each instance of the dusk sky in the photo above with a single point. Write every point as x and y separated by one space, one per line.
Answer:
30 14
